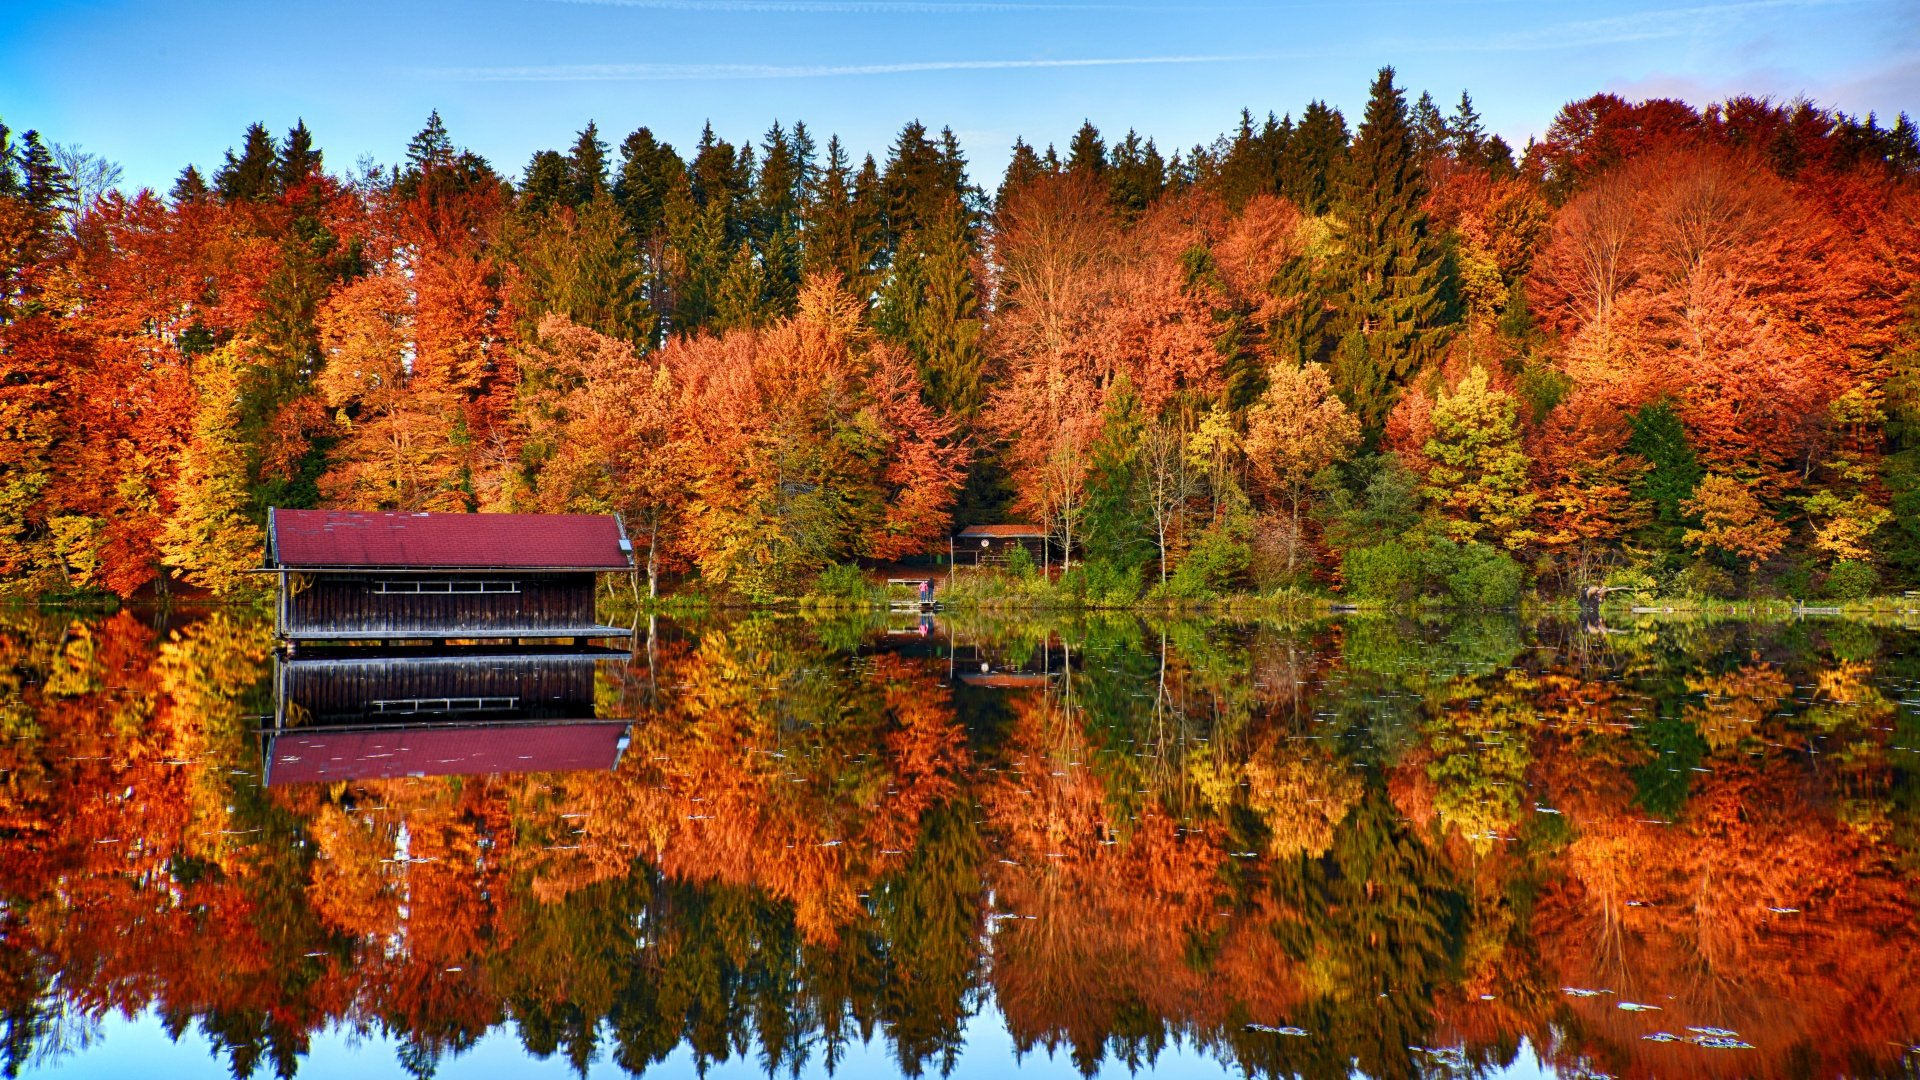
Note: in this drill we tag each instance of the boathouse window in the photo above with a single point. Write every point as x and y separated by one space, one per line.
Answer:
442 585
443 705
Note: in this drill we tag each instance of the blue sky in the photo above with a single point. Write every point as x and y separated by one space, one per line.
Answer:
156 85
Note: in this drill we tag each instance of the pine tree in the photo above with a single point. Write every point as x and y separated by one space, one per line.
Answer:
922 179
587 167
1087 153
1316 153
740 300
1136 176
432 148
255 174
299 161
1431 135
931 307
44 185
1466 137
191 187
651 176
1390 267
838 239
1023 168
548 183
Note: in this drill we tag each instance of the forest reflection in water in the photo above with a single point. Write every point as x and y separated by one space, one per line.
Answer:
1377 845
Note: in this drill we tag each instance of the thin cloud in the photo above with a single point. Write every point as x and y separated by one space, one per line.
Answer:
730 72
858 7
1623 29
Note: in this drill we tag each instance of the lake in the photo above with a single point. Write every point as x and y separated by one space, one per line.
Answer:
775 844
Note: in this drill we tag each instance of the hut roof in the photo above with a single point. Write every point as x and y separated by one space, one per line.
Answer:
351 539
319 755
1003 532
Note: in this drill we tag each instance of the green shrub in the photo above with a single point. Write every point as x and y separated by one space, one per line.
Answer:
1020 562
1703 581
842 583
1112 585
1211 566
1476 575
1851 580
1387 572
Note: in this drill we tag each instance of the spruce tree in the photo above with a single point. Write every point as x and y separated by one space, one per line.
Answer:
838 239
432 148
587 167
548 183
255 174
1431 134
1390 267
651 175
191 187
930 306
1136 175
299 161
1087 153
1315 155
1023 168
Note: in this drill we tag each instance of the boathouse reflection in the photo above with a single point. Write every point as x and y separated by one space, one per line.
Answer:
360 714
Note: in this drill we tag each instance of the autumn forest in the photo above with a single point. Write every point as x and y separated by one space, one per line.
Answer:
1662 347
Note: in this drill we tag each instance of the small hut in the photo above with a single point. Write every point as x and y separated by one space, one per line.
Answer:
394 576
991 545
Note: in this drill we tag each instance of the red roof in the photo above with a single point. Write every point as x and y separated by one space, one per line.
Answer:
1010 532
316 756
350 538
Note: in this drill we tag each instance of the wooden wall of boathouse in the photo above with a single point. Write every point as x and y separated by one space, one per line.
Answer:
490 604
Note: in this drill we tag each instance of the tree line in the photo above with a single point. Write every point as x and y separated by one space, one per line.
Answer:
1665 347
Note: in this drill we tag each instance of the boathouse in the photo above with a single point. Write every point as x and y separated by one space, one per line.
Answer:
991 545
394 576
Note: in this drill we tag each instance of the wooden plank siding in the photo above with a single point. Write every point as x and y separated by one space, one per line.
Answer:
400 690
345 604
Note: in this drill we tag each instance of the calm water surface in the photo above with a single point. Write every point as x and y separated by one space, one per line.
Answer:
775 845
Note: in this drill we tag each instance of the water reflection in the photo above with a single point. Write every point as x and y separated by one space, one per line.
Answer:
1407 849
382 713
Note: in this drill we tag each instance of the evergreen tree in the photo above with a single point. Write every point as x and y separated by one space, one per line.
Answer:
299 161
840 235
191 187
776 190
582 263
739 300
1659 436
1432 137
931 307
44 185
548 183
1136 175
1087 153
651 175
922 178
1315 155
1023 168
255 174
432 148
587 167
9 170
1466 137
1389 266
1254 160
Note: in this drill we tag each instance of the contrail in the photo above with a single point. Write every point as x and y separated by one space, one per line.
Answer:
861 7
690 72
